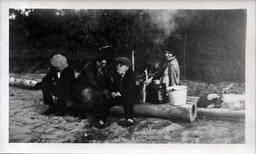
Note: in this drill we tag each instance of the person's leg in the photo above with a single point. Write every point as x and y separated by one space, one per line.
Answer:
152 94
63 96
48 98
61 106
104 110
98 103
128 110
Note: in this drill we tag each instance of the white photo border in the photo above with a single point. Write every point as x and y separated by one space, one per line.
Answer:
247 148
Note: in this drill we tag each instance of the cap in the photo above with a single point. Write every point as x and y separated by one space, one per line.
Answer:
124 61
59 61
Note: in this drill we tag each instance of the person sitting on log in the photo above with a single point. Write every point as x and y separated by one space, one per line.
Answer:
122 92
168 74
90 90
57 84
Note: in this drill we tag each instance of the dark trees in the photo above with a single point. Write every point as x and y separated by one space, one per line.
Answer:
205 41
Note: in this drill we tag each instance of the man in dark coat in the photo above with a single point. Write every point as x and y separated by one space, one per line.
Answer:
91 85
122 91
57 84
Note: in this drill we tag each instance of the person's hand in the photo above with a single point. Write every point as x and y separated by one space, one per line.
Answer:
115 94
55 99
106 93
118 93
147 82
69 103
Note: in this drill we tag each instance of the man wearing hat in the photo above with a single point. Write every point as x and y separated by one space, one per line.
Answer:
90 88
57 84
122 91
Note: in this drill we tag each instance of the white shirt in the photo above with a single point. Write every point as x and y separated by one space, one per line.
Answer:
58 75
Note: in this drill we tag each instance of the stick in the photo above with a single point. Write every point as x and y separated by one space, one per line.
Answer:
144 92
133 61
184 54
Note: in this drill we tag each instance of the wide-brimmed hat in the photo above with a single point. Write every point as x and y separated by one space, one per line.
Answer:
124 61
59 61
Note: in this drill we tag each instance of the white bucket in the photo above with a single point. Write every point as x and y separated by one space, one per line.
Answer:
177 95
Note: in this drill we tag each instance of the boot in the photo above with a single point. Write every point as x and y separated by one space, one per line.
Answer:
52 109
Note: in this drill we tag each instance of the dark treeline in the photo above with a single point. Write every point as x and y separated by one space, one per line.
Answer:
209 44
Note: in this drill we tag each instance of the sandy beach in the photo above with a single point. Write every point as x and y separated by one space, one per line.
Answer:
27 124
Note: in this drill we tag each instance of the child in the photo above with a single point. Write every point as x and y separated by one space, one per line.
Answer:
57 85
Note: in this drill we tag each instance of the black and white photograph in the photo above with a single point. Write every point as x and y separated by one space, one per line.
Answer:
129 76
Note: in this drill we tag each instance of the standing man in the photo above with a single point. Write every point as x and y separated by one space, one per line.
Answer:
57 85
122 92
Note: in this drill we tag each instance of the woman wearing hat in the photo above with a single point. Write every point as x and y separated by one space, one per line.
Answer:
167 75
57 84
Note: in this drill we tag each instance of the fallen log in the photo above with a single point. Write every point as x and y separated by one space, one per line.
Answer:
187 112
232 108
24 83
219 113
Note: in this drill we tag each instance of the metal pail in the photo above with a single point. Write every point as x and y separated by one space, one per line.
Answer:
177 95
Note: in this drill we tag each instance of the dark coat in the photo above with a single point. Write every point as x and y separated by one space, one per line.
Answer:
59 87
125 85
127 88
91 77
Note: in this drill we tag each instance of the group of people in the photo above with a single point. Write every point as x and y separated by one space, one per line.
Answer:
98 86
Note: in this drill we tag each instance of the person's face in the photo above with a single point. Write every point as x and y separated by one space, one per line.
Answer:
102 63
57 69
121 69
168 55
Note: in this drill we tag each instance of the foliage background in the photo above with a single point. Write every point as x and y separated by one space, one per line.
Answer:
209 44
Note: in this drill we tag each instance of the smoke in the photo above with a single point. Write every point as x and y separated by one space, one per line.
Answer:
164 20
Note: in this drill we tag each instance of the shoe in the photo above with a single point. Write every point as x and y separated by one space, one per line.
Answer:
129 122
61 110
100 124
60 113
50 110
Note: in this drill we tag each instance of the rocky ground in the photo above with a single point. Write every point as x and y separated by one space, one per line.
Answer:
27 124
